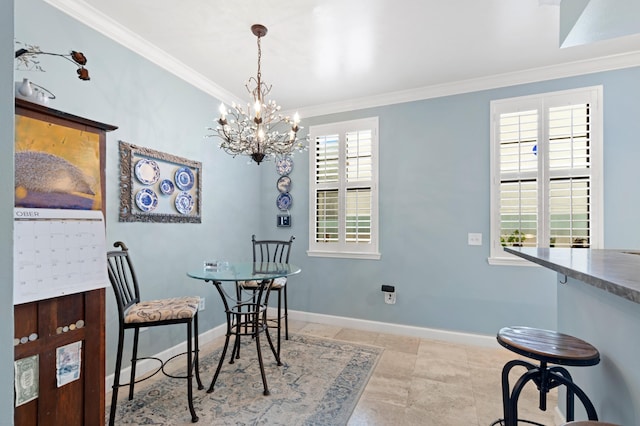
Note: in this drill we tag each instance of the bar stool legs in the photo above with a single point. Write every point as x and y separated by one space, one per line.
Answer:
547 347
545 378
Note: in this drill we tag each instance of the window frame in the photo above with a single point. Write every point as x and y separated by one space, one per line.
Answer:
542 102
342 249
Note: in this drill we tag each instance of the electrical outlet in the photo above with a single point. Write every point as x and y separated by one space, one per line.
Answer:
474 239
201 305
390 298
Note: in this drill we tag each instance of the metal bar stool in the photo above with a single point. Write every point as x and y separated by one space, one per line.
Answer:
547 347
134 313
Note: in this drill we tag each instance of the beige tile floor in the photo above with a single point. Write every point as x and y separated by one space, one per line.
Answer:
434 383
426 382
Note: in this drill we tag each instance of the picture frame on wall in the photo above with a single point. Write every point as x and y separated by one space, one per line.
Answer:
158 187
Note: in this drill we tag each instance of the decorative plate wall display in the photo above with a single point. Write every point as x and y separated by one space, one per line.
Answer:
284 166
176 181
147 171
284 184
146 199
284 201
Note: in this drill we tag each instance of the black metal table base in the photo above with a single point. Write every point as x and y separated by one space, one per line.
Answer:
244 319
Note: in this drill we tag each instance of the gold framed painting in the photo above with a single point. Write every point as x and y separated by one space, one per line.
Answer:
59 159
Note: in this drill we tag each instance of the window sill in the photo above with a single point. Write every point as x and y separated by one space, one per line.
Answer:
344 255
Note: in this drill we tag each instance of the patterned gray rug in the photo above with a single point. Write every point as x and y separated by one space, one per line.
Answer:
319 384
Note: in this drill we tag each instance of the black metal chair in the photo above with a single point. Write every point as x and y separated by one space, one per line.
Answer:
136 314
274 251
547 347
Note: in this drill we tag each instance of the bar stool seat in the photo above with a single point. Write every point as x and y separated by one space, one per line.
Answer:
547 347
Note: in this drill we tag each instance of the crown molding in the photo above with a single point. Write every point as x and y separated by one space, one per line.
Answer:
96 20
571 69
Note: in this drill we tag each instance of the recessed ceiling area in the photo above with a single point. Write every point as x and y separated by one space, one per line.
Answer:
331 55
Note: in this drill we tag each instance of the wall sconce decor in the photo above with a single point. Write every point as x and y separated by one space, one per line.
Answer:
27 60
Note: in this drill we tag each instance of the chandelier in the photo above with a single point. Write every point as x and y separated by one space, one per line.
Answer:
260 130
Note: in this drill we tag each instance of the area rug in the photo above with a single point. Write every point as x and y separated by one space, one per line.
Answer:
319 383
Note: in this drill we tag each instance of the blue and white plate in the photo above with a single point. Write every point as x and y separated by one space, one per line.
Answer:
146 200
284 201
166 187
284 184
184 178
284 166
184 203
147 171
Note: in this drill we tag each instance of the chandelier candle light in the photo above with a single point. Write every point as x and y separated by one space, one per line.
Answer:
263 131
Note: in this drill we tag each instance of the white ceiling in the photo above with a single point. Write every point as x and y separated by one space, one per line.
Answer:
327 54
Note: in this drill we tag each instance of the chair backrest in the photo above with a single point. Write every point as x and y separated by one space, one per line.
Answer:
123 278
271 250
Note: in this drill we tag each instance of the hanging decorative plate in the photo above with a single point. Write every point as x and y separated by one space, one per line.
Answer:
284 184
166 187
146 199
284 166
147 171
184 178
284 201
184 202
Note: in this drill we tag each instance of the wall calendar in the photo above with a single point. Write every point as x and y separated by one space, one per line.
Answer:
57 252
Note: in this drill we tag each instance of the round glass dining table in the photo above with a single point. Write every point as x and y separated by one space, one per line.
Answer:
245 311
243 271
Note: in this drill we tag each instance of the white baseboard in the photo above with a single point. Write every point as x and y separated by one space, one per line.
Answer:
399 329
146 366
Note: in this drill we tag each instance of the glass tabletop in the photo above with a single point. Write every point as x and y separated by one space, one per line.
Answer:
244 271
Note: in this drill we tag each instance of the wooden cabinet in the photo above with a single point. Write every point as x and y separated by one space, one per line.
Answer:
58 321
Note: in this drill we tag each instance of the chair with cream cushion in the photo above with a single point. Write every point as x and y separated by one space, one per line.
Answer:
133 313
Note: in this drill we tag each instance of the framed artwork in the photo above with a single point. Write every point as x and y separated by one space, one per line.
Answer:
158 187
59 159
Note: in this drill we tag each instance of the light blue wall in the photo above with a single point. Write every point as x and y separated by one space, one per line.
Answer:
6 211
611 324
434 189
154 109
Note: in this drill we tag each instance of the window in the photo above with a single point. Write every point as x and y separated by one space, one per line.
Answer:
344 189
546 162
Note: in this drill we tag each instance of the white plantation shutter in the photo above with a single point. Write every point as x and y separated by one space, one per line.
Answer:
343 178
546 171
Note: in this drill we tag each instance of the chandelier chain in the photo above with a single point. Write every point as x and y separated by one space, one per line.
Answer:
259 74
